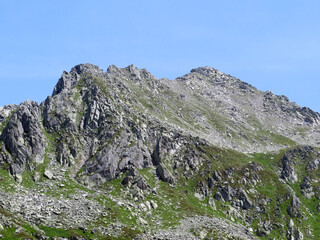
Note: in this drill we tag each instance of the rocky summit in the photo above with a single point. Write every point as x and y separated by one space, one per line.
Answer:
120 154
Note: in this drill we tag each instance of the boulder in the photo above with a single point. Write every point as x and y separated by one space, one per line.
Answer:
228 192
16 172
218 196
212 203
48 174
245 201
164 174
294 208
306 187
313 165
298 235
154 205
216 176
288 171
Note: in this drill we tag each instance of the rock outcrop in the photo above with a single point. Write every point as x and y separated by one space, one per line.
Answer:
120 153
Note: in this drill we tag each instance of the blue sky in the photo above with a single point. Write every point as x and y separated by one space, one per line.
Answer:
273 45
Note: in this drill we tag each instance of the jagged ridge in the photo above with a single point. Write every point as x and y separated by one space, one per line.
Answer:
99 127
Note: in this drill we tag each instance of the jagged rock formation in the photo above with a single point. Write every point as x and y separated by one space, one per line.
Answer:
128 148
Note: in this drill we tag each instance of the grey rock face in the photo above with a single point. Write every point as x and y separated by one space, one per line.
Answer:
68 80
294 208
164 174
134 178
23 138
228 193
6 111
86 102
313 165
237 197
306 187
298 235
16 172
245 201
125 123
288 171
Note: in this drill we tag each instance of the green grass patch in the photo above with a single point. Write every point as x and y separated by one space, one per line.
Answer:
6 181
65 233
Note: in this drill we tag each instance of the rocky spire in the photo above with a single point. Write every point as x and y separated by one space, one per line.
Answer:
69 79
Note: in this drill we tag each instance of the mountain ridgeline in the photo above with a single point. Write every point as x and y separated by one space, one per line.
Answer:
123 155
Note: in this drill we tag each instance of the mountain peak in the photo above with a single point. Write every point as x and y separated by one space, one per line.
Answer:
123 144
235 101
86 68
69 79
132 72
207 71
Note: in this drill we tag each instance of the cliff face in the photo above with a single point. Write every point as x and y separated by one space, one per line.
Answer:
134 149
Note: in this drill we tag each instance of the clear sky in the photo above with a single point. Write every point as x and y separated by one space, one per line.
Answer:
273 45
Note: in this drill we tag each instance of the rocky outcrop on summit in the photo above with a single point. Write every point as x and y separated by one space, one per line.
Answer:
231 108
209 104
68 80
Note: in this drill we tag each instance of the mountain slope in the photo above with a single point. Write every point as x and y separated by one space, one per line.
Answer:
127 148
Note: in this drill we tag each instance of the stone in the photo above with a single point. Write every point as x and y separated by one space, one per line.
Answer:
148 205
245 201
143 207
298 235
142 221
164 174
154 205
291 223
313 165
294 208
306 187
36 177
288 171
218 196
16 172
227 192
48 174
199 196
18 178
19 229
23 136
212 203
203 234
